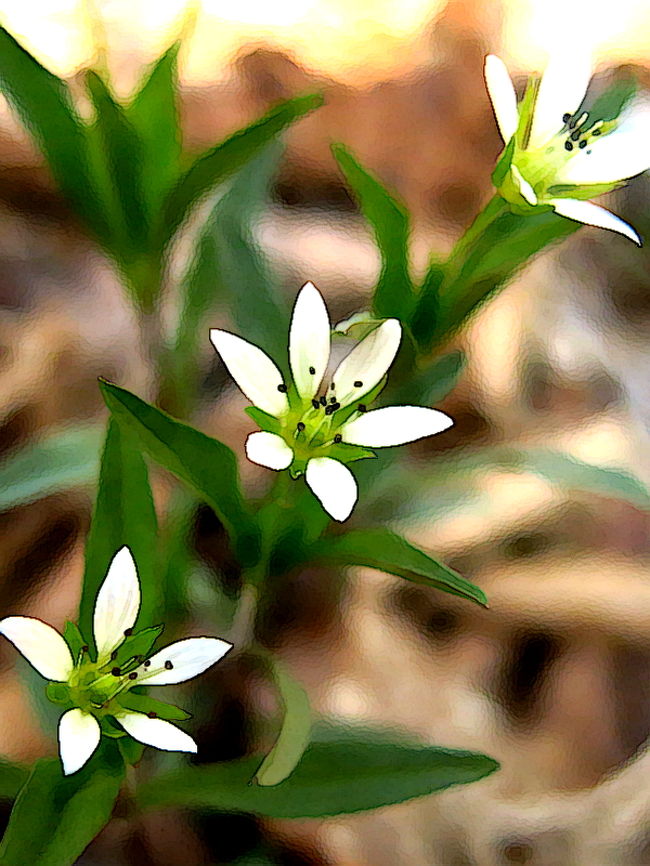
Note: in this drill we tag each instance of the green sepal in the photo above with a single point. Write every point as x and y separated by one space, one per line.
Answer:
138 644
503 164
343 415
263 420
73 638
609 105
58 693
110 728
358 325
584 191
526 109
144 704
131 750
349 453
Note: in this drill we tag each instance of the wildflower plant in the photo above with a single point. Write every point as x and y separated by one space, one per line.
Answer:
329 417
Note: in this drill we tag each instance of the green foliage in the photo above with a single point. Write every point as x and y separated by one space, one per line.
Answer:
294 735
385 551
343 770
435 381
55 817
425 314
12 778
124 514
209 467
394 294
62 460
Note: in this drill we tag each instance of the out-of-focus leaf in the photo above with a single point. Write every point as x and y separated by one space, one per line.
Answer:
433 383
12 778
385 551
44 105
131 750
64 459
208 466
153 113
342 771
124 514
494 248
55 817
294 735
394 294
427 307
223 160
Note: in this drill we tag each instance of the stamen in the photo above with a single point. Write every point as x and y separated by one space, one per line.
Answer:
358 384
583 143
338 438
332 386
116 672
282 389
133 675
152 715
312 371
332 408
147 663
566 117
332 399
323 400
300 426
315 404
128 632
113 655
362 407
168 665
568 145
84 648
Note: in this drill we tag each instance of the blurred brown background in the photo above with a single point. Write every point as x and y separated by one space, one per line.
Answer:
554 679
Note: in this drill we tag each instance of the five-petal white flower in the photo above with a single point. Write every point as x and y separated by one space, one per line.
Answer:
97 689
563 153
316 436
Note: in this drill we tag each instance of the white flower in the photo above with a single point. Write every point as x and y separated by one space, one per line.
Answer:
98 690
561 151
317 435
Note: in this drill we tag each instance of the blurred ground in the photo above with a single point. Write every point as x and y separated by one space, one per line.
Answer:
554 679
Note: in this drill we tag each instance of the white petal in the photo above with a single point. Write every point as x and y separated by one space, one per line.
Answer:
524 187
268 449
619 155
188 658
253 370
593 215
309 341
367 363
42 646
79 736
394 425
117 604
156 732
561 91
333 485
502 95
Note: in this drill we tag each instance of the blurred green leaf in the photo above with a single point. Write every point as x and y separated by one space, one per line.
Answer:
223 160
497 244
43 102
144 704
124 514
342 771
12 778
131 750
394 294
385 551
154 115
431 384
425 314
55 817
208 466
294 735
62 460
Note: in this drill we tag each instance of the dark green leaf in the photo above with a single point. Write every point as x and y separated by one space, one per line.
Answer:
342 771
144 704
55 817
495 247
294 735
432 384
223 160
12 778
153 113
124 514
208 466
60 461
394 294
425 314
44 105
385 551
139 644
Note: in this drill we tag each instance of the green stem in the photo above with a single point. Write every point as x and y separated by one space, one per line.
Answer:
464 246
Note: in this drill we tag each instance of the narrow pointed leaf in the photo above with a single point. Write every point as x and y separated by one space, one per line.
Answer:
124 514
385 551
209 467
342 771
394 294
56 817
223 160
294 735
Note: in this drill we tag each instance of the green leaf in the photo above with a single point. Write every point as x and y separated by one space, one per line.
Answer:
12 778
385 551
43 102
494 248
62 460
73 638
209 467
433 383
223 160
55 817
425 314
139 644
294 735
342 771
153 114
123 152
124 514
394 294
144 704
